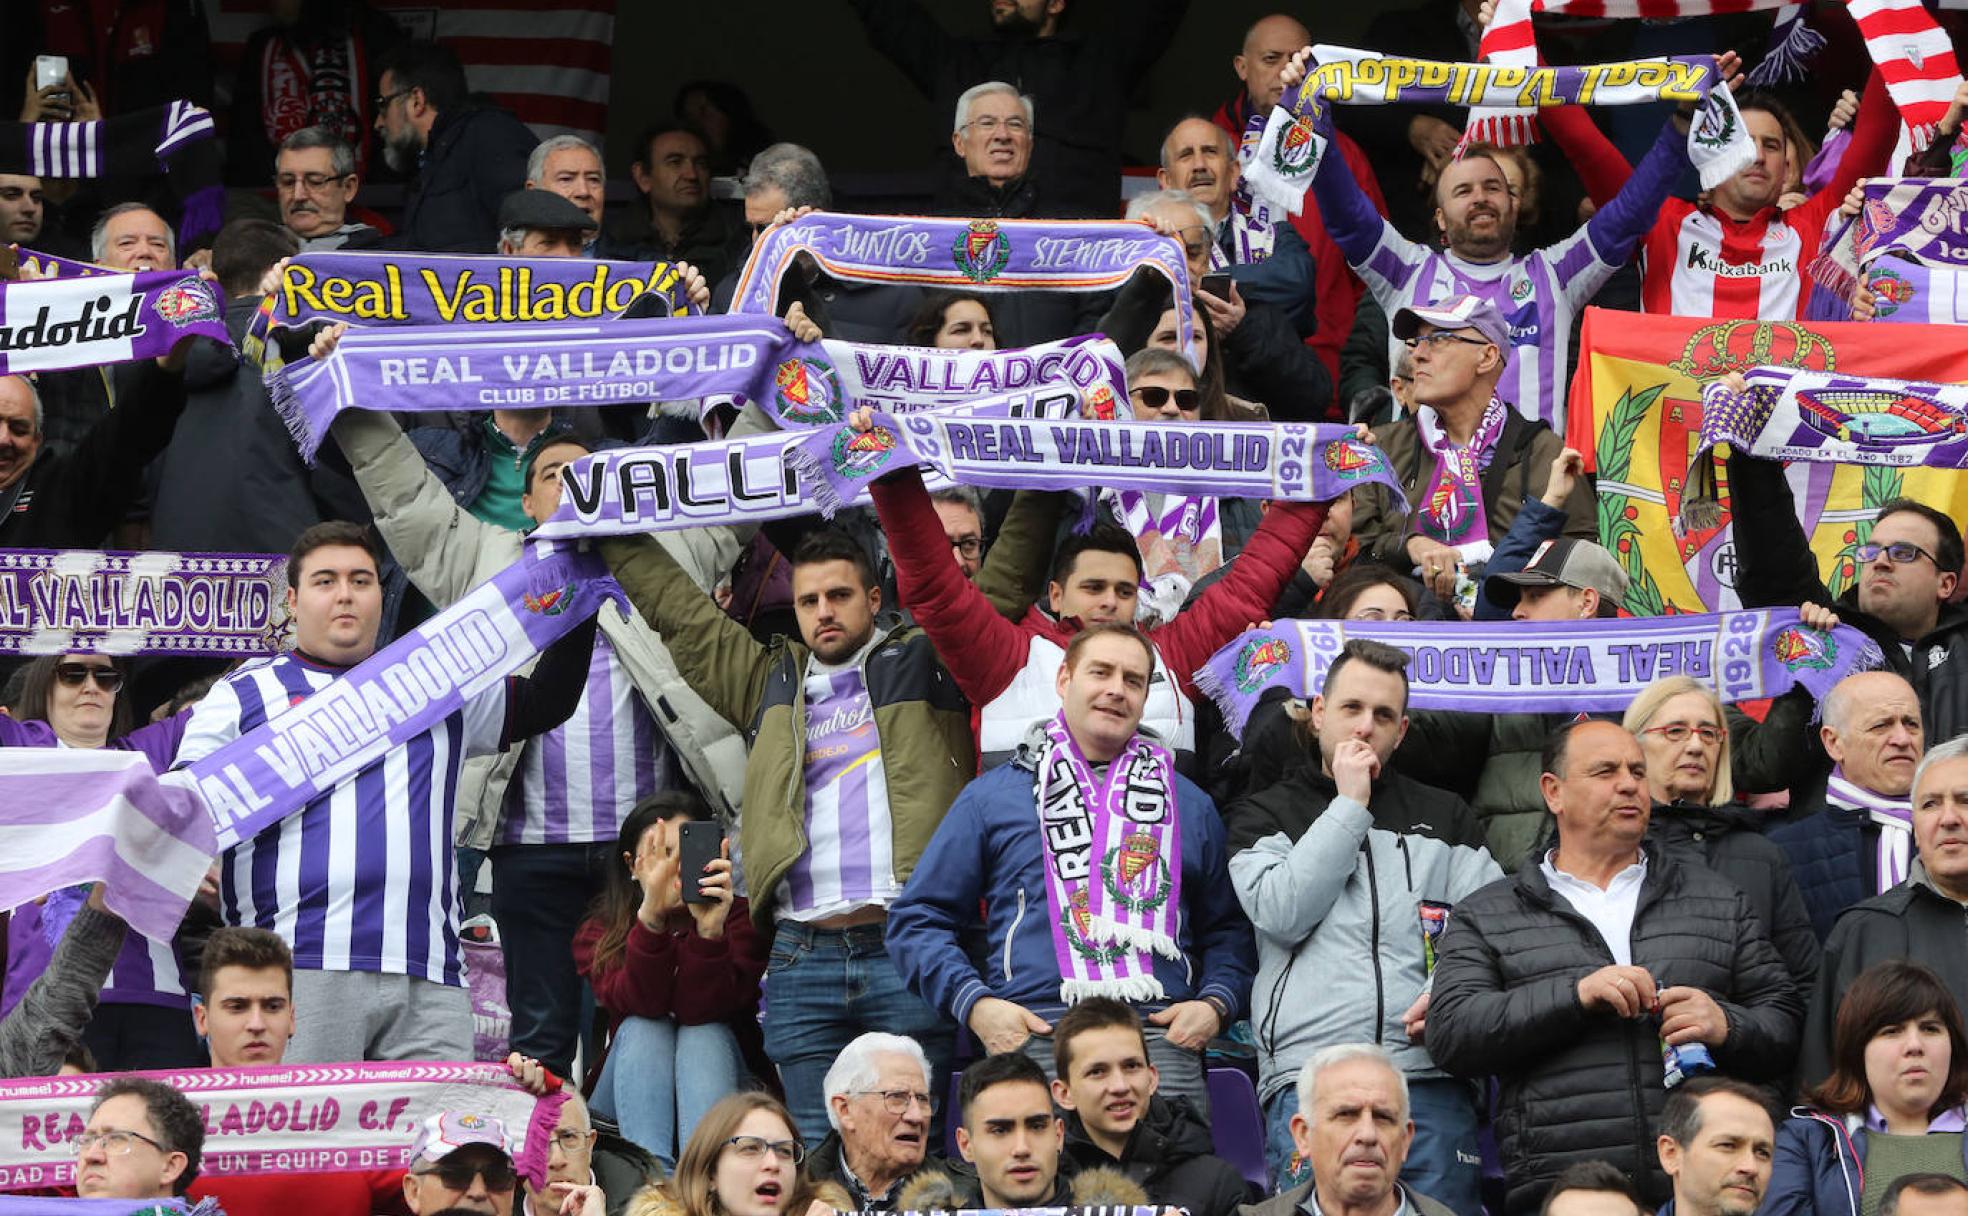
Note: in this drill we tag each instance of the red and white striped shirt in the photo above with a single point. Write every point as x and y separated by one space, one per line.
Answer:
1698 262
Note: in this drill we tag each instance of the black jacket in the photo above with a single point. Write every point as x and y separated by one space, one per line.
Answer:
1912 921
1775 568
715 241
474 159
1832 851
1171 1155
72 500
1728 840
1581 1085
1079 83
826 1164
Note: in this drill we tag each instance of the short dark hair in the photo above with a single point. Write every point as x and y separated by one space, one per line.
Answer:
327 533
1602 1176
1377 655
832 544
1358 579
657 130
429 66
1085 637
1556 744
1093 1013
562 440
243 946
179 1126
1766 101
1898 990
1948 553
1919 1184
1004 1068
1103 537
1680 1118
245 249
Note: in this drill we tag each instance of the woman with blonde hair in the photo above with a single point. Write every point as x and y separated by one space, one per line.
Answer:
743 1159
1684 736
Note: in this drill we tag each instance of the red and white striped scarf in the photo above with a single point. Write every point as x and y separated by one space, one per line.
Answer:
1912 53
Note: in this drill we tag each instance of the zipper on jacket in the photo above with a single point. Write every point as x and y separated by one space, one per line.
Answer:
1380 993
1012 935
1407 859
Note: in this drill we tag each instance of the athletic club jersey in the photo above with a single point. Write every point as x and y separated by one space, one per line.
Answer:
577 782
361 879
849 860
1698 262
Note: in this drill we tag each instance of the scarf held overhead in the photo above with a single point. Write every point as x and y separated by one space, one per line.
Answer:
55 324
283 1119
1826 418
1595 666
74 601
1922 218
176 139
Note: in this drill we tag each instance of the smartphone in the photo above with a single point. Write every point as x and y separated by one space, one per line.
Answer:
698 844
1217 284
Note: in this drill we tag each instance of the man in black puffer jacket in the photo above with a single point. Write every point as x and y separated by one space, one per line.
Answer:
1563 980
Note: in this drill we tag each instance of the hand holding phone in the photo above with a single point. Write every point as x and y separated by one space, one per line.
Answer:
698 845
1217 283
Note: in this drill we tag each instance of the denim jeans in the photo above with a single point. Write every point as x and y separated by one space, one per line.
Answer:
824 988
540 892
1442 1158
669 1076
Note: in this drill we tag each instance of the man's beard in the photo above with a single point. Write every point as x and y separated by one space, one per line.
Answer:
1463 239
401 151
1016 22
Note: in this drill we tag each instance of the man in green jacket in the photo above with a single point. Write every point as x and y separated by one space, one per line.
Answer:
860 740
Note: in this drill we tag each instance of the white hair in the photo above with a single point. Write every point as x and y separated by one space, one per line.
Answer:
1345 1053
858 1066
536 164
989 87
1953 749
99 235
34 396
1141 204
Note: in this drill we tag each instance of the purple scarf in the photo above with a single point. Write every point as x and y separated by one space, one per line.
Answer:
84 602
1826 418
1452 509
56 324
1595 666
1925 219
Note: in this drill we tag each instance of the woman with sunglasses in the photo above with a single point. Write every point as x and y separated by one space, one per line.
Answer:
1893 1104
144 1018
1684 735
743 1160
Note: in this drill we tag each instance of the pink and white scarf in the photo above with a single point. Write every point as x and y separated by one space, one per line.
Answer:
1113 858
1452 509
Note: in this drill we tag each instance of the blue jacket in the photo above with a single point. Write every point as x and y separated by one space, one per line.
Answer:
1819 1169
987 850
1831 852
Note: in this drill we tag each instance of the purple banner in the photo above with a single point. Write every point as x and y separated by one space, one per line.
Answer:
1595 666
1825 418
55 601
57 324
1922 218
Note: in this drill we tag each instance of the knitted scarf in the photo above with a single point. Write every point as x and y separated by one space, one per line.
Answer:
1452 509
175 139
1893 817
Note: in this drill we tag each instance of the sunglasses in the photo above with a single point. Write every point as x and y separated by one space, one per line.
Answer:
1154 396
72 674
457 1176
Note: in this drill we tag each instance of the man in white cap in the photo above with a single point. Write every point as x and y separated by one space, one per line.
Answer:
1466 459
464 1162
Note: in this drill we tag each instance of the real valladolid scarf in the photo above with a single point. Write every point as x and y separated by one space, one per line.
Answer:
1826 418
1595 666
56 324
75 601
1115 892
176 137
1924 219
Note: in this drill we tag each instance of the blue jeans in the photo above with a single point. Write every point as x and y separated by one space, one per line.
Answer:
671 1075
540 893
1442 1164
824 988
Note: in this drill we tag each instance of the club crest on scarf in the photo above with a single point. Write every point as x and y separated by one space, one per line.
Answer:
806 391
981 252
863 453
1298 147
1101 404
1890 290
1802 649
1351 461
1077 925
186 303
1878 416
1260 658
1134 874
1714 124
549 590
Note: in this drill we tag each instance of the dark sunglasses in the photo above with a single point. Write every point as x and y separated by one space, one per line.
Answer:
72 674
457 1176
1154 396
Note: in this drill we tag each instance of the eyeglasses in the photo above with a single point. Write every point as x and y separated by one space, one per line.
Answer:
896 1101
115 1143
752 1148
385 101
1195 247
1678 732
990 125
570 1141
1900 553
969 546
457 1175
1154 396
313 181
1443 335
72 674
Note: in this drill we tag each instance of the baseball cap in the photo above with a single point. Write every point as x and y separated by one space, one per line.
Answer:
534 209
1564 562
447 1131
1456 312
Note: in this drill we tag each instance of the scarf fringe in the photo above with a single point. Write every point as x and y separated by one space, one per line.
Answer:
810 470
1701 502
1134 937
1134 990
1789 60
1213 683
287 404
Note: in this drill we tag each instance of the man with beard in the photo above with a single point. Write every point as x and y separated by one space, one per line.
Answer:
466 157
1078 81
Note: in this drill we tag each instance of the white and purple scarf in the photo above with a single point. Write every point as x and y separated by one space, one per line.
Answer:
64 601
53 325
1827 418
1892 816
176 138
1451 511
1180 543
1922 218
1113 859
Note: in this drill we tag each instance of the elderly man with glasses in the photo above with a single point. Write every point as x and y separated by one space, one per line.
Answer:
879 1103
314 179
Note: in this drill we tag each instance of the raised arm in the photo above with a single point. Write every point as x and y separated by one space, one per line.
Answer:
1616 228
717 655
1244 596
45 1026
909 38
1600 167
1014 573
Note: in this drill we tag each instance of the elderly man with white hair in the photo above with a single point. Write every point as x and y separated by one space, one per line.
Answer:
992 135
570 166
879 1103
1353 1128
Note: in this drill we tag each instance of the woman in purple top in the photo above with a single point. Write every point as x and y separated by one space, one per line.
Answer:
144 1019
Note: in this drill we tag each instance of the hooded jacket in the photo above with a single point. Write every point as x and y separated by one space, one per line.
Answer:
1582 1084
988 851
1819 1168
957 1189
1171 1155
1335 891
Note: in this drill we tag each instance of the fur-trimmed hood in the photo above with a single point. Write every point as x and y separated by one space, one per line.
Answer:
943 1191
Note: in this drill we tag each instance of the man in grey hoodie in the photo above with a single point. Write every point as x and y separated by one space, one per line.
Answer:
46 1025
